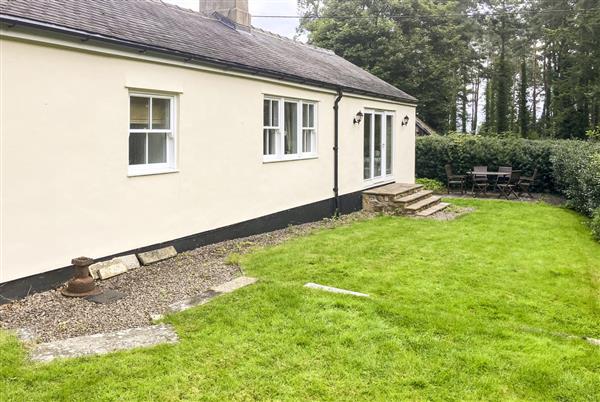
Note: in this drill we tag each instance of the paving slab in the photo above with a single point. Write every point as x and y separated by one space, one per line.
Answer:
131 261
193 301
114 265
99 344
114 268
593 341
334 290
210 294
95 268
150 257
234 285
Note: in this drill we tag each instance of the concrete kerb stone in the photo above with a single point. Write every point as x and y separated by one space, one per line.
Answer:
153 256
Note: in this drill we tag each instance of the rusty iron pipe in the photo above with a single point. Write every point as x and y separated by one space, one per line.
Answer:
82 284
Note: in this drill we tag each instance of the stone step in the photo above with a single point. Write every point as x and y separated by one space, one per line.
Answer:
395 189
422 204
432 210
414 197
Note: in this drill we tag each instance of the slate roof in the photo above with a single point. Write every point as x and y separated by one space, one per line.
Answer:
168 29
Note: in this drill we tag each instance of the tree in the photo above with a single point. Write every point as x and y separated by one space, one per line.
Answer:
523 108
405 43
526 52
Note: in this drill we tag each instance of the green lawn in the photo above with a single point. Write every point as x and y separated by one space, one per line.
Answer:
468 309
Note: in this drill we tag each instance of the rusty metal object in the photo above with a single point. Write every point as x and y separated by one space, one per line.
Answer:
82 284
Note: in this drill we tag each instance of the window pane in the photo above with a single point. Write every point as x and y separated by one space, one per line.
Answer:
308 115
139 112
389 144
161 114
266 112
157 148
137 148
275 113
367 145
291 128
308 140
305 115
377 143
269 141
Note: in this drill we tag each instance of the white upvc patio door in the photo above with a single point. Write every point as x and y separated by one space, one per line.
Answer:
378 144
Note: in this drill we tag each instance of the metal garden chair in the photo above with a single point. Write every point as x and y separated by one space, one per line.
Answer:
527 182
480 181
512 186
455 179
502 179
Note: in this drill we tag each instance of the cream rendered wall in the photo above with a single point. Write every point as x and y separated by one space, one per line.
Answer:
64 140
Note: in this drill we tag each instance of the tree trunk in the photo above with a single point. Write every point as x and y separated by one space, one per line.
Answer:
534 90
523 112
463 112
475 105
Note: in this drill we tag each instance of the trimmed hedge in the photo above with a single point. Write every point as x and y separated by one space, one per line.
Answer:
576 173
595 224
565 166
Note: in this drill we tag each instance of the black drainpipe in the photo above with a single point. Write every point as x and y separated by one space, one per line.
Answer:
336 107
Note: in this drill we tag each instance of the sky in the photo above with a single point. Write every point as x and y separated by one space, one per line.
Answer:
281 26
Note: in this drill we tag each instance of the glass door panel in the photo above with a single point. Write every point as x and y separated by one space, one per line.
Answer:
368 123
377 145
389 143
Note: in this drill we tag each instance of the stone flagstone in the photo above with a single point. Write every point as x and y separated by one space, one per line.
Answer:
193 301
109 266
104 343
593 341
113 269
150 257
235 284
210 294
130 261
334 290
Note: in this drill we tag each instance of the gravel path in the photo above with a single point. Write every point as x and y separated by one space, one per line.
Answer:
49 316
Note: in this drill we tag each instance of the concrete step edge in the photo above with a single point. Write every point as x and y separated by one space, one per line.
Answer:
432 210
425 203
414 196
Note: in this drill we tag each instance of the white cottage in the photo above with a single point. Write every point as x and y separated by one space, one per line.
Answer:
128 125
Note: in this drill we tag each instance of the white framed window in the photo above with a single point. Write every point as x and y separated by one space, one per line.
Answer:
289 129
378 145
151 134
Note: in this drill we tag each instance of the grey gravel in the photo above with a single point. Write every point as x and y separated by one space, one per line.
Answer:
149 290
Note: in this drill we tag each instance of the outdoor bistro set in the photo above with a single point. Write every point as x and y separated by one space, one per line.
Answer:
506 181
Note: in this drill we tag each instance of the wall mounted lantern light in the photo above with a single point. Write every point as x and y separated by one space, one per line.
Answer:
358 117
405 120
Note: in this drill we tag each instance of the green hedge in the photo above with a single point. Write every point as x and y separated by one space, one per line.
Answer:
568 167
576 173
595 224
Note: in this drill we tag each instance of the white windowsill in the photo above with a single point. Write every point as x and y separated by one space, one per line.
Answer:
289 158
150 172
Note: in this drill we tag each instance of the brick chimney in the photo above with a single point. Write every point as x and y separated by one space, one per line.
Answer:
234 10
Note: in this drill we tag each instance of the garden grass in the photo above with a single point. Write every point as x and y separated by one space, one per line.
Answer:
479 308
